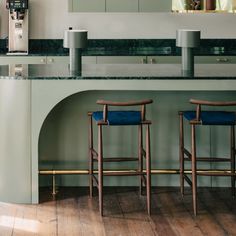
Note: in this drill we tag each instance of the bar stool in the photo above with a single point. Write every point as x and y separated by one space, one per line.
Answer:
197 118
120 118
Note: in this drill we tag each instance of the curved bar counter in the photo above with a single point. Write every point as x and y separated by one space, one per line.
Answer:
26 101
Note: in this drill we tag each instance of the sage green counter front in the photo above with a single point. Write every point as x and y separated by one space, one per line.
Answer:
43 117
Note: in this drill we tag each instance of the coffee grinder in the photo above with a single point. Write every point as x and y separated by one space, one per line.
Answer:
18 42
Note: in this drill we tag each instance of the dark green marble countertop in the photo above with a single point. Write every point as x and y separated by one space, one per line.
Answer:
118 72
127 47
147 51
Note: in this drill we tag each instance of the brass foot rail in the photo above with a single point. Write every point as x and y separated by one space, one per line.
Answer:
124 172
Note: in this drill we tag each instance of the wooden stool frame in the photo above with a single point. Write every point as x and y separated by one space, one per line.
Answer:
97 156
186 155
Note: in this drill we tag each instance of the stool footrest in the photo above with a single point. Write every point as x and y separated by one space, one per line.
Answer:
118 159
216 173
187 179
123 173
143 153
144 180
210 159
210 173
187 153
94 153
214 159
95 179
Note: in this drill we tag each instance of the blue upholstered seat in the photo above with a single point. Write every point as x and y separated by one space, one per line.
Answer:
119 117
213 117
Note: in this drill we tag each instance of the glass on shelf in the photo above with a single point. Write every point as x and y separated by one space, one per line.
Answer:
203 6
223 5
226 5
210 5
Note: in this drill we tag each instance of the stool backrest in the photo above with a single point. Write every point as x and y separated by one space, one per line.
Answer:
200 103
142 103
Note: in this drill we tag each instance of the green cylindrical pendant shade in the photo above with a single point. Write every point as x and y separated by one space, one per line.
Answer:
188 38
75 39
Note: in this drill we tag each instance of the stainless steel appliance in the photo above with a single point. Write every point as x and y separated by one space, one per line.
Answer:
18 70
18 26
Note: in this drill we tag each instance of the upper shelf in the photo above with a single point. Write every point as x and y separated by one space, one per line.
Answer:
179 6
119 5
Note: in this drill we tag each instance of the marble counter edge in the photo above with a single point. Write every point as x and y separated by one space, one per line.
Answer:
152 85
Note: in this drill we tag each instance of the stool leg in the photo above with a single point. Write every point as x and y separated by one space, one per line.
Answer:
148 169
54 190
140 156
90 156
194 173
233 159
100 170
181 153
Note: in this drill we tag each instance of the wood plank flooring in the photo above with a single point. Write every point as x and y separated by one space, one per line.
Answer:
73 213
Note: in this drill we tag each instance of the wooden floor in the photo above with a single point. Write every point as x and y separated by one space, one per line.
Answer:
74 213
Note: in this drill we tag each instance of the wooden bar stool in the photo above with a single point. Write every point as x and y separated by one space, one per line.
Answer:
197 118
120 118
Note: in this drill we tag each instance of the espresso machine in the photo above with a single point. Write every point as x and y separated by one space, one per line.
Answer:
18 42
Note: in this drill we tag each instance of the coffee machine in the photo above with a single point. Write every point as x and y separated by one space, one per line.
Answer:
18 27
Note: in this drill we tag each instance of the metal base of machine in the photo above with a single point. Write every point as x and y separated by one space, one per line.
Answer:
17 53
